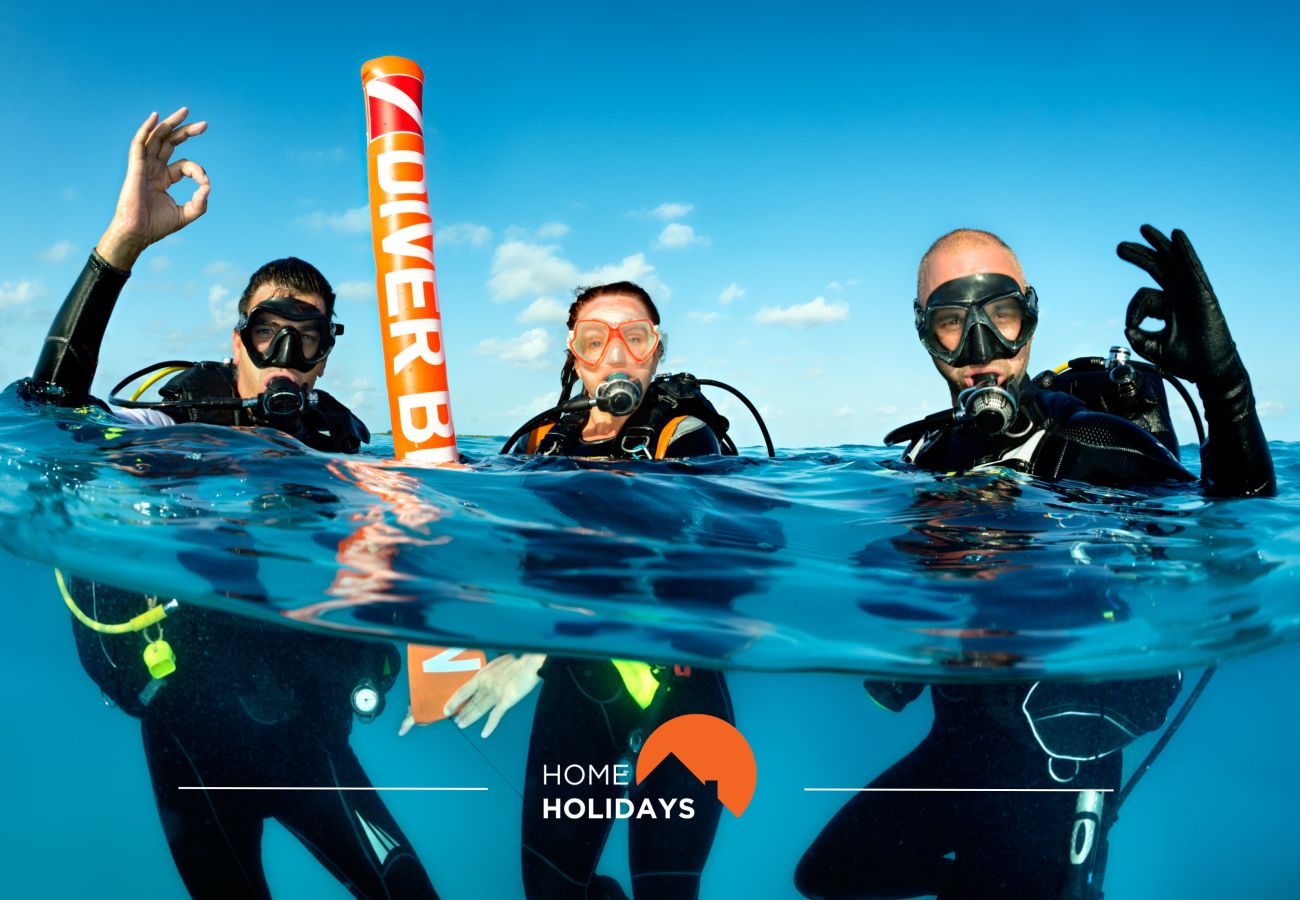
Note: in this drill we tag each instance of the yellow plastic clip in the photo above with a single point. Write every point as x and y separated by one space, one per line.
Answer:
160 659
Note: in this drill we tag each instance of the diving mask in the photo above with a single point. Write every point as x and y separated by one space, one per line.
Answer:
287 333
591 339
972 320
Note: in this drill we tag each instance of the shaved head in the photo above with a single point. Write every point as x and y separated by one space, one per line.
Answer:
965 251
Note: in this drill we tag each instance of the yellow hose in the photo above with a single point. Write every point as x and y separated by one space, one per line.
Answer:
156 376
139 623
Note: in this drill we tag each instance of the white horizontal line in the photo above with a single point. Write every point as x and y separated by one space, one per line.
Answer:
213 787
904 790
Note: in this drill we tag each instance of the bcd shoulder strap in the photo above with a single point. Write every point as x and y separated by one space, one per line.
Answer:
649 432
327 426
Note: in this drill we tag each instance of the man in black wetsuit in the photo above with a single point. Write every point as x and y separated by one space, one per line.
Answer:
976 316
249 705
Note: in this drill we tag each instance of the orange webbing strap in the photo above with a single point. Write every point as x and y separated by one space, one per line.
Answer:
535 437
666 436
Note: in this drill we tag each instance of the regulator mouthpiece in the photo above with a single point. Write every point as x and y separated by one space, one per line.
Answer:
283 401
987 407
618 395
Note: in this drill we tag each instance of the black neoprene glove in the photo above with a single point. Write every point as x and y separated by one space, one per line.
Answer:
1195 344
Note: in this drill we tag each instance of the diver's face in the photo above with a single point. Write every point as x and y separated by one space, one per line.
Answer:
614 310
249 379
959 262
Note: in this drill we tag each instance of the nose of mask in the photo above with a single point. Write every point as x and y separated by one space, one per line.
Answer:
285 352
616 353
981 347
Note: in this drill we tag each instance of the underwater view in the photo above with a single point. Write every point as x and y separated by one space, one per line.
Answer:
798 576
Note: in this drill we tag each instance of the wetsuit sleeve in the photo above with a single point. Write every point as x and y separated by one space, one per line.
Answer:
1235 460
1105 450
692 437
70 354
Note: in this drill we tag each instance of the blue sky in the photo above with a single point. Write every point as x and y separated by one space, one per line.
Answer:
770 171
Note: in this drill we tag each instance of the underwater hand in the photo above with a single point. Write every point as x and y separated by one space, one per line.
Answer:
1194 343
495 688
146 213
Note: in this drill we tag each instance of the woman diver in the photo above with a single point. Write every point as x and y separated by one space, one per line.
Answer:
596 713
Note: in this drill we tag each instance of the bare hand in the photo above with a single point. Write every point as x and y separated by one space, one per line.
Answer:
495 688
146 213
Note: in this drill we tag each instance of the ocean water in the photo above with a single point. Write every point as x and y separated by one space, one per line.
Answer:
799 576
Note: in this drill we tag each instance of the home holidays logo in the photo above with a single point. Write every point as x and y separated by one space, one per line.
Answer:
705 747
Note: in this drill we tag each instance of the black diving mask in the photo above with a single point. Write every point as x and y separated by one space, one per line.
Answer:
287 333
973 320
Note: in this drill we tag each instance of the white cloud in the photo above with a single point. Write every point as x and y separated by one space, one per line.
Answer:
350 221
813 373
552 231
731 292
358 392
890 410
355 290
219 269
630 268
463 233
670 211
834 286
842 412
160 263
540 403
528 350
20 293
222 305
520 269
802 315
704 317
1271 408
544 310
57 253
70 194
676 235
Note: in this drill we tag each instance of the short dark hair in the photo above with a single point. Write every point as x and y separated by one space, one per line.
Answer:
584 295
293 274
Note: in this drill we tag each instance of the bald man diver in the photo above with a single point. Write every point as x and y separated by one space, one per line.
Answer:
936 828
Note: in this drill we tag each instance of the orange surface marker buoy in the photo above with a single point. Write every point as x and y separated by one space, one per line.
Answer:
415 367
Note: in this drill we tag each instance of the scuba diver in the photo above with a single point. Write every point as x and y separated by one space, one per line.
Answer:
595 713
1014 789
226 701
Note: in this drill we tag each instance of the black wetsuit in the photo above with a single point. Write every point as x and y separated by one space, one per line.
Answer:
251 704
966 841
586 716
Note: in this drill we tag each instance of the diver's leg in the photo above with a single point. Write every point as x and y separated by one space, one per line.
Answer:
215 837
1016 845
887 844
580 720
352 833
668 854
